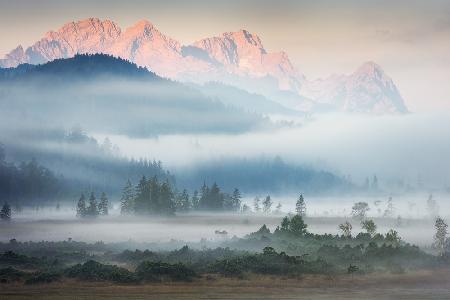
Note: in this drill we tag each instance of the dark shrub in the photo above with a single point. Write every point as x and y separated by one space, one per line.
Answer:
157 271
43 278
92 270
10 274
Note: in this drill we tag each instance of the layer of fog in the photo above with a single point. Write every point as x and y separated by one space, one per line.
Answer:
191 228
412 148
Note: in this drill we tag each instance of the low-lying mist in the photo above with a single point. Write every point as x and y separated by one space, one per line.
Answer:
401 150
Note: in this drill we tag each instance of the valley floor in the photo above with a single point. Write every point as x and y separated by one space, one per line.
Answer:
418 285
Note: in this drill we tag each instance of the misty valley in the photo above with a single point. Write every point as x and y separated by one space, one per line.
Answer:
118 182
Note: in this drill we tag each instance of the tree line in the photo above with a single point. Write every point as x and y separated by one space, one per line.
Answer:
91 208
152 196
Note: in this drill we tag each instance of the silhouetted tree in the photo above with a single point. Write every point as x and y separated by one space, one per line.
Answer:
300 206
127 200
359 210
103 205
440 238
346 229
92 209
81 206
369 226
5 212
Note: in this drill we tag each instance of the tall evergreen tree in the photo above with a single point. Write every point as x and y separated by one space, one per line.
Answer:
81 206
440 238
166 203
103 205
300 206
195 200
236 199
142 195
5 212
127 200
183 203
92 209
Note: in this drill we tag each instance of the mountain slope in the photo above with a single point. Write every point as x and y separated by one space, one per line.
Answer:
234 58
368 89
108 95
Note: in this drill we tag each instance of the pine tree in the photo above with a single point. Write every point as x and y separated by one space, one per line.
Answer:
183 204
195 201
267 204
81 206
236 199
103 205
300 206
440 238
92 209
5 212
166 203
140 203
127 200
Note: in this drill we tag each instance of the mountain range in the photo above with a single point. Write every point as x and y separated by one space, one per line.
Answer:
233 58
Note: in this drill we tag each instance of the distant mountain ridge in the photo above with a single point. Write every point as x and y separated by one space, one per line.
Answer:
113 96
236 58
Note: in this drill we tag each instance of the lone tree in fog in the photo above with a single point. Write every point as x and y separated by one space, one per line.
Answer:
81 206
103 205
359 210
440 238
127 200
92 209
369 226
5 212
300 206
267 204
256 204
346 229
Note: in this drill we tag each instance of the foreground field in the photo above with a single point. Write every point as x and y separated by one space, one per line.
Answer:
418 285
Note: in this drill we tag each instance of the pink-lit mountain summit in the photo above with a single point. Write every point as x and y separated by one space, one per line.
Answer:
237 58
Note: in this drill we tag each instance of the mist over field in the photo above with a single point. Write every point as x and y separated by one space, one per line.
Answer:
134 164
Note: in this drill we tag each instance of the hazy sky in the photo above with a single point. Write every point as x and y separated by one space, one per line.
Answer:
409 39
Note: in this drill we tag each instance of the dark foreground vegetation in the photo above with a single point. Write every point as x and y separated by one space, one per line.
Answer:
288 252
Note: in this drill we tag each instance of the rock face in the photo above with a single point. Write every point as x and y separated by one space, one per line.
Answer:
368 89
237 58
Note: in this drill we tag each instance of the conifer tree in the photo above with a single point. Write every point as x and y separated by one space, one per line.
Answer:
183 204
92 209
127 200
195 200
5 212
300 206
440 238
103 205
81 206
236 200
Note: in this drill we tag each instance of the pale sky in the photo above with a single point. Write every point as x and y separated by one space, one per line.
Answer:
410 39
